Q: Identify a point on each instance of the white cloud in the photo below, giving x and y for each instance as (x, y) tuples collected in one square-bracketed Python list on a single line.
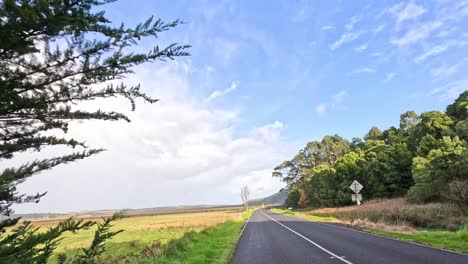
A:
[(219, 93), (444, 71), (321, 109), (433, 51), (361, 48), (327, 27), (177, 151), (377, 54), (402, 12), (379, 28), (416, 34), (268, 133), (450, 91), (340, 96), (364, 70), (390, 76), (447, 70), (346, 38), (352, 22)]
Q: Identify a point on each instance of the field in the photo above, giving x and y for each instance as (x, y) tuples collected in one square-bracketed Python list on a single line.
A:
[(165, 234)]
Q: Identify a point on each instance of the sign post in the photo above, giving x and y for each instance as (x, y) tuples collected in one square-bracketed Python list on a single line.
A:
[(356, 187)]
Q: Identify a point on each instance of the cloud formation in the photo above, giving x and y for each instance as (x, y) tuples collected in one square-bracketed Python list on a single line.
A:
[(177, 151), (346, 38), (219, 93), (321, 109)]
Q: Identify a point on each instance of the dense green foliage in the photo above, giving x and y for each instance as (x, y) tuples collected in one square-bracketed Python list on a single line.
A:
[(55, 55), (418, 159)]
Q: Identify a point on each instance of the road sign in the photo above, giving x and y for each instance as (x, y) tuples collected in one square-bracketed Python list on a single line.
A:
[(356, 187), (356, 197)]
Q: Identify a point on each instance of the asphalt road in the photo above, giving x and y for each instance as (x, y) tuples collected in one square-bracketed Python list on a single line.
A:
[(274, 238)]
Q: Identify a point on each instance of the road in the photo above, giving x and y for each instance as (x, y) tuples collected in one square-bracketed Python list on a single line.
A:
[(273, 238)]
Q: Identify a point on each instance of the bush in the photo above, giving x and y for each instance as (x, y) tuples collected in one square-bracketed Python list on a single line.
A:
[(398, 211)]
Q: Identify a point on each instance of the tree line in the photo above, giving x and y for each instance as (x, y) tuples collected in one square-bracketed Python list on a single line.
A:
[(424, 159)]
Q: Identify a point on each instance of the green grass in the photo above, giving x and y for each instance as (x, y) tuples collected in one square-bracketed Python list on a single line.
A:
[(283, 211), (457, 241), (141, 232), (306, 216), (247, 214), (212, 245), (320, 218)]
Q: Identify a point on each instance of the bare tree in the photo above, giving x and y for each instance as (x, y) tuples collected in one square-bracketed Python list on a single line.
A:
[(245, 193), (458, 192)]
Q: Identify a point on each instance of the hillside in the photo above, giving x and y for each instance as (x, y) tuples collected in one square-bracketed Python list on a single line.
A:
[(277, 198)]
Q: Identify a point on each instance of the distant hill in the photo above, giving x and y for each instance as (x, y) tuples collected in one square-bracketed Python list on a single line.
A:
[(130, 212), (277, 198)]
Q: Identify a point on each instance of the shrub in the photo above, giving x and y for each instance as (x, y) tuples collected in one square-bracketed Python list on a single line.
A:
[(397, 211)]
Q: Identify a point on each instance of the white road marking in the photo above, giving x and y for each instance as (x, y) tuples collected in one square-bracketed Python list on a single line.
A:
[(391, 238), (242, 231), (310, 241)]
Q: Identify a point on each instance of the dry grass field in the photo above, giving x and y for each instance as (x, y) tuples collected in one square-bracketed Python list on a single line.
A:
[(142, 232)]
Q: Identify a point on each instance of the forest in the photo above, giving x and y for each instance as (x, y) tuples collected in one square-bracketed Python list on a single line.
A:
[(424, 159)]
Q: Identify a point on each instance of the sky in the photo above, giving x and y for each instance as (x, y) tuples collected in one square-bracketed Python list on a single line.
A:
[(263, 79)]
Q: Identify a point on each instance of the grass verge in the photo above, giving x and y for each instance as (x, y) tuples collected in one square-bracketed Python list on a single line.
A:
[(247, 214), (306, 216), (211, 245), (457, 241)]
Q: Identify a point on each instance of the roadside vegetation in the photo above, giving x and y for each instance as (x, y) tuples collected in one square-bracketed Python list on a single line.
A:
[(247, 214), (437, 224), (398, 211), (457, 241), (162, 237), (424, 159), (414, 175)]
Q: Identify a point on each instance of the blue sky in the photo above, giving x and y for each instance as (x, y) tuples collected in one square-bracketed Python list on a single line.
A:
[(319, 67), (264, 78)]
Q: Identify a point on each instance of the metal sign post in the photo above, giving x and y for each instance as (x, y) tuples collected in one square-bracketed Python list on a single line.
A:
[(356, 187)]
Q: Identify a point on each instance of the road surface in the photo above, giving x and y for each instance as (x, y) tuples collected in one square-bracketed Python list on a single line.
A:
[(274, 238)]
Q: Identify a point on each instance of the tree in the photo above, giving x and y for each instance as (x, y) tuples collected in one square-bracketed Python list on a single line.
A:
[(419, 159), (458, 192), (390, 172), (374, 134), (303, 199), (432, 173), (55, 55), (408, 120), (459, 109), (245, 194)]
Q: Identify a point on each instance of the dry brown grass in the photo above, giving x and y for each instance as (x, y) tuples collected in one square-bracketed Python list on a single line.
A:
[(403, 228), (398, 213)]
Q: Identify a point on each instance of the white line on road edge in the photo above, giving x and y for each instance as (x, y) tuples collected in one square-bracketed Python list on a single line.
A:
[(391, 238), (242, 231), (310, 241)]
